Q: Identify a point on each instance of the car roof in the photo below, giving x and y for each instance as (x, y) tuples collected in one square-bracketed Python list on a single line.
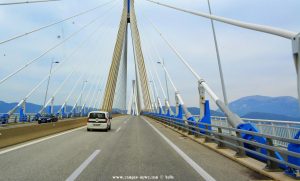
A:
[(98, 112)]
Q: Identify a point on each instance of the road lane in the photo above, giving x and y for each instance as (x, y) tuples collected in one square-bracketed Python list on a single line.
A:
[(78, 171), (138, 151), (56, 158), (32, 142), (190, 161), (218, 166), (118, 129), (131, 149)]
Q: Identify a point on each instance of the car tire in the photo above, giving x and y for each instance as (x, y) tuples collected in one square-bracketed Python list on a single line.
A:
[(88, 129)]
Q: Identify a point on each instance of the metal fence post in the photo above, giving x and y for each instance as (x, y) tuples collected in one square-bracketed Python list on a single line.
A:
[(197, 130), (240, 152), (190, 128), (208, 135), (271, 165), (289, 130), (182, 126), (220, 144), (175, 123)]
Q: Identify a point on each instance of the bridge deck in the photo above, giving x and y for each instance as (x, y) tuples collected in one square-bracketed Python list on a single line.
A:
[(131, 148)]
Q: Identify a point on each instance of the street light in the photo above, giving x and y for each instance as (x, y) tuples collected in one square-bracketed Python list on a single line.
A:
[(83, 83), (153, 93), (163, 64), (48, 82), (152, 88), (218, 56)]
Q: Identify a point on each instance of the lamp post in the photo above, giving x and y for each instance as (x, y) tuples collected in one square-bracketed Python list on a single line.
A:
[(163, 64), (48, 82), (218, 56), (152, 88), (83, 83), (154, 95)]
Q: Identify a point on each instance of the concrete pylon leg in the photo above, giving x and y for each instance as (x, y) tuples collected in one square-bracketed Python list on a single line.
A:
[(114, 68), (140, 59), (128, 16)]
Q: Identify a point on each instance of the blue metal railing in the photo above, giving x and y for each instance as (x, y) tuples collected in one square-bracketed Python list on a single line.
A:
[(249, 141)]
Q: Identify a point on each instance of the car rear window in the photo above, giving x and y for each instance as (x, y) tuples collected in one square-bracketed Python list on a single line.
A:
[(97, 115)]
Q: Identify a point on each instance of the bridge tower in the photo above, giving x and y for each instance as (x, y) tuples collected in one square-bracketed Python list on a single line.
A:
[(128, 17)]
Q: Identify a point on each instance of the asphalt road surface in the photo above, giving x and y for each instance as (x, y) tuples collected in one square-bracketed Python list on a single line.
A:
[(136, 148)]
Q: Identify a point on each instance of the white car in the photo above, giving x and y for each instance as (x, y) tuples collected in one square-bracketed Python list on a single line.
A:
[(99, 120)]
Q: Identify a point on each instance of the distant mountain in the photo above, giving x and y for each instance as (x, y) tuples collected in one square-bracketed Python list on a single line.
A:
[(256, 107), (285, 105), (5, 107), (30, 107), (269, 116), (196, 111)]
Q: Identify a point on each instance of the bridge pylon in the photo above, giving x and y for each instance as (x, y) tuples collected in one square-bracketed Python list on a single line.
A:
[(128, 17)]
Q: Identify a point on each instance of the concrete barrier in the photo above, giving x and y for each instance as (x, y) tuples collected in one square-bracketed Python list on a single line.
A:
[(12, 136)]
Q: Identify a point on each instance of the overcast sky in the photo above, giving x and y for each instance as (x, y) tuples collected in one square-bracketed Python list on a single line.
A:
[(254, 63)]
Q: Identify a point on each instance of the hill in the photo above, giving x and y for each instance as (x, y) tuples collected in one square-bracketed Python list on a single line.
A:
[(270, 106)]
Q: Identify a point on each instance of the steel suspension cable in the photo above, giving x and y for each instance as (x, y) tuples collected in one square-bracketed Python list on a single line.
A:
[(177, 94), (233, 119), (98, 95), (256, 27), (98, 88), (27, 2), (72, 91), (88, 95), (218, 56), (54, 23), (75, 51), (92, 75), (93, 99), (151, 44), (150, 58), (155, 70), (91, 87), (52, 48)]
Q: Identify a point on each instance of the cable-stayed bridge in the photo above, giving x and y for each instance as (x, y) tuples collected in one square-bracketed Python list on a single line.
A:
[(150, 140)]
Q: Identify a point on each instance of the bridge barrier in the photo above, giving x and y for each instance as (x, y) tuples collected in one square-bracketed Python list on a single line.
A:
[(30, 117), (15, 135), (276, 158), (285, 129), (25, 132)]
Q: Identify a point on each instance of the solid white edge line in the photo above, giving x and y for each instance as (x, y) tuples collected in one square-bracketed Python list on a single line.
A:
[(191, 162), (38, 140), (78, 171)]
